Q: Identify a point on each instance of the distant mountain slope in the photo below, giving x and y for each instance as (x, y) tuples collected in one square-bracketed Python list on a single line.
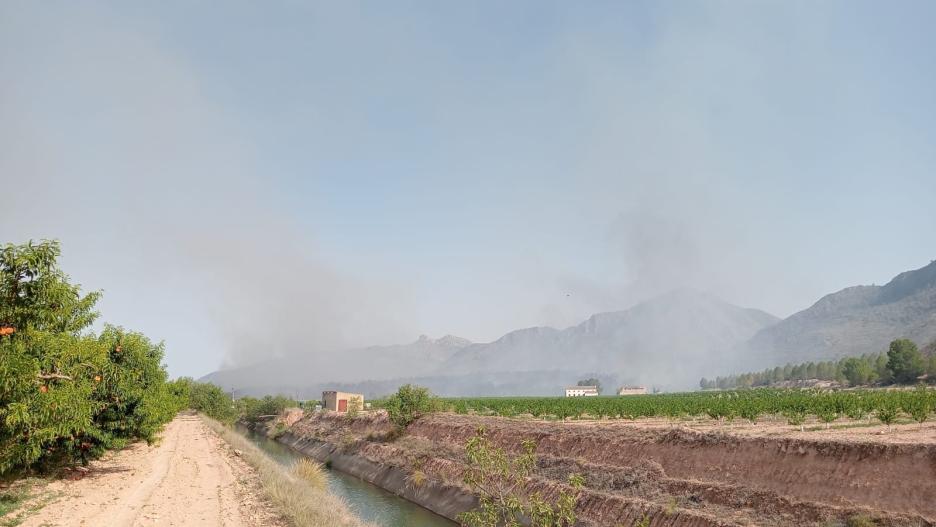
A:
[(670, 341), (853, 321), (417, 358)]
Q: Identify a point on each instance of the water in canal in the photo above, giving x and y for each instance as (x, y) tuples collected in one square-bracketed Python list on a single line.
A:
[(368, 501)]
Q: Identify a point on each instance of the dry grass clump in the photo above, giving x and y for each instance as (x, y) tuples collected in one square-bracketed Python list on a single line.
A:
[(305, 505), (417, 479), (311, 472)]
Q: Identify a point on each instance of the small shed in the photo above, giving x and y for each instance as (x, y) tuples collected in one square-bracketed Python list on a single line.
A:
[(342, 401)]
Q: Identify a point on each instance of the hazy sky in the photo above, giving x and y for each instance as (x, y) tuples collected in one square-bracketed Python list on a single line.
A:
[(251, 178)]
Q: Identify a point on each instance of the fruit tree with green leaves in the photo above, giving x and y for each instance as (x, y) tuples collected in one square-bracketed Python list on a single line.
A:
[(66, 393)]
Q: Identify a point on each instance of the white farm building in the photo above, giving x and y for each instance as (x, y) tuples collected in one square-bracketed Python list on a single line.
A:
[(632, 390), (581, 391)]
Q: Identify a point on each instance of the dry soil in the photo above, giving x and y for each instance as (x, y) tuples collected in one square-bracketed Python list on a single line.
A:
[(190, 478)]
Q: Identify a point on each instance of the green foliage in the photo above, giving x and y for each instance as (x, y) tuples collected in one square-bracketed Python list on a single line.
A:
[(829, 407), (858, 372), (858, 408), (212, 401), (67, 395), (251, 409), (904, 361), (794, 404), (887, 411), (501, 481), (751, 410), (920, 406), (795, 412), (36, 294), (408, 404), (902, 364)]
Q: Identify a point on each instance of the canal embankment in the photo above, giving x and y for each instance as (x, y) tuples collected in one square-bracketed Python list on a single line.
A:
[(673, 476), (381, 494)]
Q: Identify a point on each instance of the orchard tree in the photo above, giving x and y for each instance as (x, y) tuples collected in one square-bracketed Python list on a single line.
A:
[(216, 403), (36, 295), (904, 361), (919, 405), (133, 396), (44, 393), (67, 395), (887, 411)]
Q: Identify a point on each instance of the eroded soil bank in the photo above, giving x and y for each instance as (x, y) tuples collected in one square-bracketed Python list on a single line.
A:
[(673, 476)]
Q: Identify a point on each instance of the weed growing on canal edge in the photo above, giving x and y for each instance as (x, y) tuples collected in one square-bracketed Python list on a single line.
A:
[(310, 471)]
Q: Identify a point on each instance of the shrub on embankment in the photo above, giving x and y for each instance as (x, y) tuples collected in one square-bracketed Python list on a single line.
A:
[(408, 404), (67, 394)]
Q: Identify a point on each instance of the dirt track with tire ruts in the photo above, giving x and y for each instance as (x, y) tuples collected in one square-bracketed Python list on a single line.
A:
[(191, 477)]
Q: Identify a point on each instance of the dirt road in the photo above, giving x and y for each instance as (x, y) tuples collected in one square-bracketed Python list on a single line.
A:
[(191, 478)]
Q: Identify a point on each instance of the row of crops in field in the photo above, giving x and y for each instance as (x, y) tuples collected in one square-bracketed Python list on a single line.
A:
[(796, 406)]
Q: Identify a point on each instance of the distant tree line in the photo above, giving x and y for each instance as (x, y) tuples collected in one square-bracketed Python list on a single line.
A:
[(218, 404), (902, 364)]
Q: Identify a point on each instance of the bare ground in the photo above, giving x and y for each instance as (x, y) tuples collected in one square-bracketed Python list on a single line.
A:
[(842, 430), (190, 478)]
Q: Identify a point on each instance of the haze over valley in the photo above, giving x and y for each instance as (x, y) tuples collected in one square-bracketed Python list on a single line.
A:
[(667, 342)]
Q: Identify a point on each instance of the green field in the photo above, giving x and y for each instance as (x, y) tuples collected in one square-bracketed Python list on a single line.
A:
[(751, 405)]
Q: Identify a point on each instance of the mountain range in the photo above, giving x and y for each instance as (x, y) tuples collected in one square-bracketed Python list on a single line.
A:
[(855, 320), (669, 342), (665, 341)]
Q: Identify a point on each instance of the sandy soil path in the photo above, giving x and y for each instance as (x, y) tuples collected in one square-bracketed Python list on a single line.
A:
[(190, 478)]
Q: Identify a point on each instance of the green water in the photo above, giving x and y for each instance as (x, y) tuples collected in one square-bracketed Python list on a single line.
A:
[(368, 501)]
